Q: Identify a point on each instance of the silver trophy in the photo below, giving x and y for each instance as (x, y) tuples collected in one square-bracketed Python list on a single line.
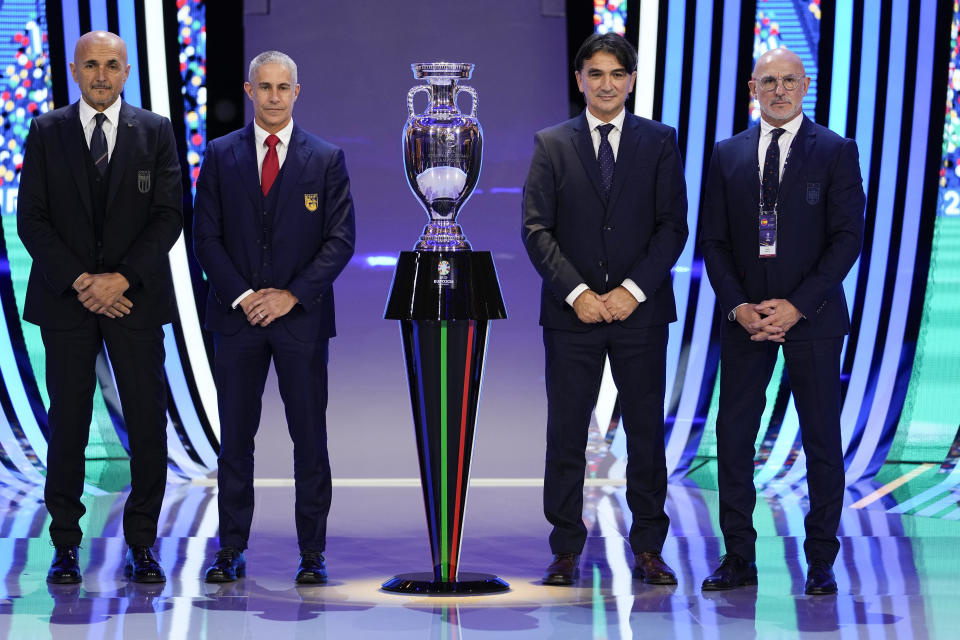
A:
[(442, 152)]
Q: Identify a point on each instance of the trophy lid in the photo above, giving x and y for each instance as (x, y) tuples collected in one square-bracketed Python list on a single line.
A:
[(442, 70)]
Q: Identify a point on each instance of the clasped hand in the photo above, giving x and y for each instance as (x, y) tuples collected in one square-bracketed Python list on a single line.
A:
[(266, 305), (102, 293), (612, 306), (768, 320)]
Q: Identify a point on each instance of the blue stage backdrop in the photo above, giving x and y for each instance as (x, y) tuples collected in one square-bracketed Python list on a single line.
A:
[(884, 74)]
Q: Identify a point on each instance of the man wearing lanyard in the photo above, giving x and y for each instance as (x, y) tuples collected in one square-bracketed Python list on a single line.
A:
[(273, 227), (604, 221), (777, 240)]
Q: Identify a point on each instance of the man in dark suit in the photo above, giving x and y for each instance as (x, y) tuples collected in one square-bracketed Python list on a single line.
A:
[(98, 210), (604, 221), (782, 225), (273, 227)]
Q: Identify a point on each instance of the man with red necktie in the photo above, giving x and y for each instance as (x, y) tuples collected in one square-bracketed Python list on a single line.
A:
[(273, 227)]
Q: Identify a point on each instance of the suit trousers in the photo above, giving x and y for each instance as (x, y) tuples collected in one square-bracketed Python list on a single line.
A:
[(137, 357), (813, 368), (574, 367), (241, 366)]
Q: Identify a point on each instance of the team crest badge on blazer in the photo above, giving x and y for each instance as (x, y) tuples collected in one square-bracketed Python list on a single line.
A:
[(143, 181), (311, 201), (813, 192)]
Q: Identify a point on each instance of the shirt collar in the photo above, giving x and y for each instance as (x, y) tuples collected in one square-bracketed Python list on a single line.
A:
[(593, 122), (87, 112), (284, 134), (791, 127)]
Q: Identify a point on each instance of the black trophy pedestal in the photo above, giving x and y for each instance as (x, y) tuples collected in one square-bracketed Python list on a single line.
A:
[(444, 301), (466, 584)]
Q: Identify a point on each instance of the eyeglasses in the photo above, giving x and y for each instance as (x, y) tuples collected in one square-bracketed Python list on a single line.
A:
[(769, 83)]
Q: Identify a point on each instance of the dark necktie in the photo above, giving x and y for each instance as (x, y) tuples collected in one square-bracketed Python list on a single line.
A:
[(271, 164), (98, 144), (770, 184), (605, 158)]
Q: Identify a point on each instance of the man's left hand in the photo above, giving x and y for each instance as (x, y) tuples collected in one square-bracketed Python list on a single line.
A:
[(620, 303), (102, 291), (272, 304), (780, 316)]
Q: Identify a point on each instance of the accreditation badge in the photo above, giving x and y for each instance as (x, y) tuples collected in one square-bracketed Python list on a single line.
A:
[(768, 234)]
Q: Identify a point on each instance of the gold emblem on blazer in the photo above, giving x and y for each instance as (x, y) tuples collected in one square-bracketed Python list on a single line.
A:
[(311, 201)]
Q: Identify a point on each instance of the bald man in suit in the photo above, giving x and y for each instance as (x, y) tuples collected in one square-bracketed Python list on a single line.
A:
[(98, 210), (782, 226)]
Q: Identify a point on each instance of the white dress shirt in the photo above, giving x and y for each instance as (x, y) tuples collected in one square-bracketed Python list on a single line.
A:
[(89, 122), (261, 135), (614, 139), (786, 139)]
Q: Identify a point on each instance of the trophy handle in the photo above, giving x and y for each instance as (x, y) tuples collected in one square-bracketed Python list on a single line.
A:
[(473, 94), (414, 91)]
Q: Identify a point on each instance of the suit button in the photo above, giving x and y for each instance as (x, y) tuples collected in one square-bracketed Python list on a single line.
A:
[(608, 228), (264, 246), (601, 263)]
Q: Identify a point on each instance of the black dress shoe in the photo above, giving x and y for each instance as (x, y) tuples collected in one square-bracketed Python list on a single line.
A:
[(229, 565), (65, 569), (312, 569), (651, 569), (142, 567), (820, 579), (564, 569), (733, 572)]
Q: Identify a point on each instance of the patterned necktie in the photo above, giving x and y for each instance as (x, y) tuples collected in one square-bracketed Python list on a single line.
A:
[(770, 185), (98, 144), (605, 158), (271, 164)]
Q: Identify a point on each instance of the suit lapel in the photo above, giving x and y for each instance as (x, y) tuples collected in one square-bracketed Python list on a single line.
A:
[(800, 150), (122, 149), (626, 152), (297, 156), (751, 167), (583, 143), (245, 153), (76, 151)]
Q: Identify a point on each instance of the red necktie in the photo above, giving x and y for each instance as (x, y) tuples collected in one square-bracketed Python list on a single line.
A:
[(271, 165)]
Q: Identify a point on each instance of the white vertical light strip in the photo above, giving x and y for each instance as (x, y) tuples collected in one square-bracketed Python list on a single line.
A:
[(182, 285), (647, 58), (909, 233)]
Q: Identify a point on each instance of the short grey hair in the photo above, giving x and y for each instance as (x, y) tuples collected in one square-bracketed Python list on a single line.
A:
[(272, 57)]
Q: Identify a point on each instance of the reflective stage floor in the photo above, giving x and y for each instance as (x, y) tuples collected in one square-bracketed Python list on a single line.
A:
[(897, 573)]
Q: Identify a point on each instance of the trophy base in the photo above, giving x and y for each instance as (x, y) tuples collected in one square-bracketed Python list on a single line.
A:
[(425, 583), (442, 237)]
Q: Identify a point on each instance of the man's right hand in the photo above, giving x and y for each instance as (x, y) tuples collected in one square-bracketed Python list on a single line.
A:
[(591, 309)]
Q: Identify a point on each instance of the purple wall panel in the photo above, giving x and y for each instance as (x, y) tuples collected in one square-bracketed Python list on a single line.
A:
[(354, 68)]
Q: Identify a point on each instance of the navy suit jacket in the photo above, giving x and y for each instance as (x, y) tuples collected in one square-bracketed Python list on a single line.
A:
[(142, 221), (819, 228), (574, 236), (313, 230)]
